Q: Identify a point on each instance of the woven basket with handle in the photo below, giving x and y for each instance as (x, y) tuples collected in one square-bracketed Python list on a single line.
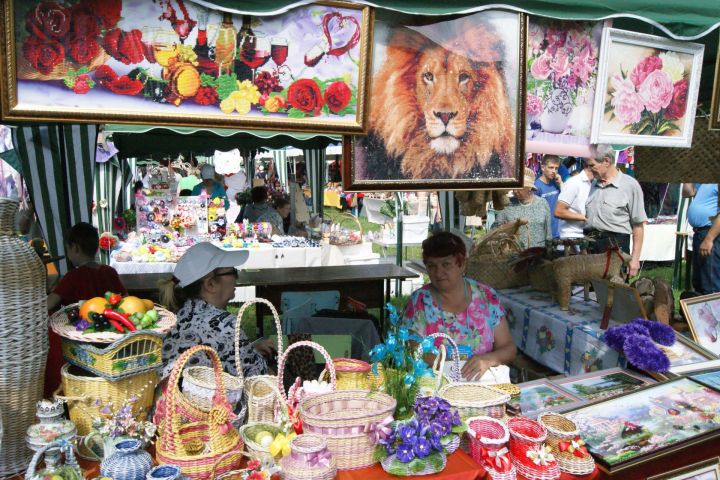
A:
[(197, 445), (351, 374), (473, 399), (341, 236), (431, 385)]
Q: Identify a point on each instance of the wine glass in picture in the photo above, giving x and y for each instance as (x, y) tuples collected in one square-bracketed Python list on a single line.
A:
[(255, 51), (278, 50)]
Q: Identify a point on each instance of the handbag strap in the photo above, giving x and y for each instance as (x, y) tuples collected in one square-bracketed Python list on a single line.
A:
[(238, 329), (170, 439), (329, 365)]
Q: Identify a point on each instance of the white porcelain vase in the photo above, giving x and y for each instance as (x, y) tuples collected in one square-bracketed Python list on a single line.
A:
[(557, 111)]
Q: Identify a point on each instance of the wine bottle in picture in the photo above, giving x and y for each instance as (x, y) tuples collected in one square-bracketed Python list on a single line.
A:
[(225, 45), (246, 47), (201, 47)]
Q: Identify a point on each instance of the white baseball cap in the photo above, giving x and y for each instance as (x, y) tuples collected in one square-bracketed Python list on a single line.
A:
[(202, 258), (207, 172)]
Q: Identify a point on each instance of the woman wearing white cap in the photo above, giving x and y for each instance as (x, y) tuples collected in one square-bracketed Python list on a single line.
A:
[(211, 187), (204, 282)]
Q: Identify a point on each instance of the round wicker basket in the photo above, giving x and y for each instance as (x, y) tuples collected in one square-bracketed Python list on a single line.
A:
[(23, 339), (342, 239), (25, 70), (473, 399), (563, 436)]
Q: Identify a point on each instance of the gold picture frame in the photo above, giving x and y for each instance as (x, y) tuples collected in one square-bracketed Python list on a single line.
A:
[(703, 316), (303, 70), (692, 472), (715, 103), (686, 356)]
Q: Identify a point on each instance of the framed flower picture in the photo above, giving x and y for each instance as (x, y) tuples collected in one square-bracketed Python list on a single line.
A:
[(703, 316), (447, 108), (686, 356), (705, 470), (648, 423), (603, 384), (541, 396), (647, 90), (180, 63)]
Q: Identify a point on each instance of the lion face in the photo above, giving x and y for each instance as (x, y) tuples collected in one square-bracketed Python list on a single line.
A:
[(444, 90)]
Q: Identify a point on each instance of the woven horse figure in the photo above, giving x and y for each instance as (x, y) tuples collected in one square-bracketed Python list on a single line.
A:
[(584, 268)]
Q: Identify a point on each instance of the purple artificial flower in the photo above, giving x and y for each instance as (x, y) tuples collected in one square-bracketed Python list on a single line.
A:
[(443, 404), (615, 336), (422, 448), (446, 419), (405, 452), (437, 428), (82, 325), (642, 352), (388, 440), (426, 406), (390, 448), (406, 432), (456, 420), (435, 442), (659, 332)]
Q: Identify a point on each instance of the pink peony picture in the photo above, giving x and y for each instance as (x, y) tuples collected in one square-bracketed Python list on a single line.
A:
[(650, 90)]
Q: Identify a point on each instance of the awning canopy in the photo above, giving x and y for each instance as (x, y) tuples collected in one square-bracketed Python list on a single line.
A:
[(686, 20), (142, 140)]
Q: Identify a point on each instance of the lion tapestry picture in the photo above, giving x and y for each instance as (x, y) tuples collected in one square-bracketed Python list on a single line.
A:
[(445, 109)]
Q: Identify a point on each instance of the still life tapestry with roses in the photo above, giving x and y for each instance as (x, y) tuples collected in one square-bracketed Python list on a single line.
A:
[(167, 60), (649, 90), (562, 67)]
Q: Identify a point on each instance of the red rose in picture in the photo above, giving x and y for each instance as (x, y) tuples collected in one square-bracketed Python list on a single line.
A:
[(48, 19), (304, 94), (337, 96), (124, 86), (82, 49), (43, 54), (83, 22), (678, 104), (106, 11), (105, 75), (126, 47)]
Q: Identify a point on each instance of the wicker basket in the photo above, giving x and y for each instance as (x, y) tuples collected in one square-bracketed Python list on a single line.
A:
[(190, 438), (496, 271), (23, 339), (428, 386), (25, 70), (351, 374), (527, 435), (309, 459), (488, 446), (259, 390), (342, 236), (296, 395), (86, 394), (249, 432), (198, 386), (350, 420), (134, 353), (569, 450), (473, 399)]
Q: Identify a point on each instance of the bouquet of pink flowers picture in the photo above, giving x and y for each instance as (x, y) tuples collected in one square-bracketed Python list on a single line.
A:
[(650, 97)]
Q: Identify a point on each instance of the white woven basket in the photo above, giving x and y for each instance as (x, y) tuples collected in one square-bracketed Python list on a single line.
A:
[(23, 339)]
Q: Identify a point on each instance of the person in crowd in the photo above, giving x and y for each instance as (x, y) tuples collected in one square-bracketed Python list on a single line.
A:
[(260, 210), (570, 207), (468, 311), (615, 209), (87, 279), (282, 207), (703, 217), (548, 186), (203, 284), (526, 205), (210, 186)]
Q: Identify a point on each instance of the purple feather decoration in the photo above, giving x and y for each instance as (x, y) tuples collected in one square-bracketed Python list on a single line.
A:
[(642, 352), (615, 336), (659, 332)]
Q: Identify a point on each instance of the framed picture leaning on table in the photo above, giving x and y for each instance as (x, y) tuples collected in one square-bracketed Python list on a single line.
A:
[(703, 317), (184, 64), (448, 104), (649, 423), (647, 90), (603, 384), (705, 470), (686, 356), (541, 396)]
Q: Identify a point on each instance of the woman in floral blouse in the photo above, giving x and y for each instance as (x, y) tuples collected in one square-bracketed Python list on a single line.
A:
[(204, 282), (466, 310)]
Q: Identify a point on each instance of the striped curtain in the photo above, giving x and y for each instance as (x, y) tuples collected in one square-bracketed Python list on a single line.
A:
[(58, 163), (249, 156), (127, 167), (280, 160), (108, 184), (450, 213), (316, 171)]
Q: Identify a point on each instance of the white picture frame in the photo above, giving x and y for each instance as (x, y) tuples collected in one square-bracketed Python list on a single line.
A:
[(634, 105)]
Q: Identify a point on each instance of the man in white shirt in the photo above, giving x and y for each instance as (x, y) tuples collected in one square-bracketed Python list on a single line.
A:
[(570, 207)]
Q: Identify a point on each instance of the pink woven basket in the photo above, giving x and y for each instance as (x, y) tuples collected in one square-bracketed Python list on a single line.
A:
[(352, 421), (527, 439), (309, 459), (488, 439)]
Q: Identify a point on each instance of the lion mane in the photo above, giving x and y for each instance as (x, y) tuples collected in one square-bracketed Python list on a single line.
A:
[(441, 110)]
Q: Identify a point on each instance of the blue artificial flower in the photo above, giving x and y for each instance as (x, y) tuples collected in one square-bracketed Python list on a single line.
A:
[(399, 358), (405, 452), (435, 442), (414, 337), (406, 432), (427, 344), (392, 313), (403, 334), (377, 353), (375, 369), (422, 448), (391, 341), (409, 379), (437, 428)]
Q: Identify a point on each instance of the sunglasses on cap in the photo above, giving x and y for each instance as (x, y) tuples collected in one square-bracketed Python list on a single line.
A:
[(232, 272)]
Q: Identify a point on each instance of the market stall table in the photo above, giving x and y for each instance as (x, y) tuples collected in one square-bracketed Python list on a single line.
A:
[(565, 341), (363, 283)]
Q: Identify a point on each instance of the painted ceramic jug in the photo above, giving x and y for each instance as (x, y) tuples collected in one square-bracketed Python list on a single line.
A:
[(129, 462)]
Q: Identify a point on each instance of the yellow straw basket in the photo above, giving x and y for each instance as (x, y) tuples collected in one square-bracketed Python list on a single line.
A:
[(473, 399), (86, 393), (351, 374), (135, 353), (567, 447)]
